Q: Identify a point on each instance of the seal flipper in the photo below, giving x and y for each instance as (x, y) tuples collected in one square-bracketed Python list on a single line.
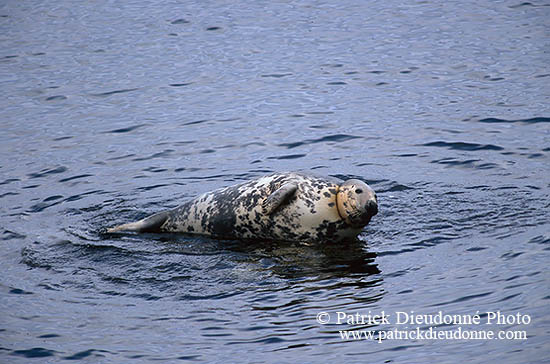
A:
[(151, 224), (279, 198)]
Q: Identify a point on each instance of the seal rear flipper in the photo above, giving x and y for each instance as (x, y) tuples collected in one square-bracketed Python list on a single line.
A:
[(278, 198), (151, 224)]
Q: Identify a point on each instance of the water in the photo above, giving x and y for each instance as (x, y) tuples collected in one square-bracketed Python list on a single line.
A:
[(115, 110)]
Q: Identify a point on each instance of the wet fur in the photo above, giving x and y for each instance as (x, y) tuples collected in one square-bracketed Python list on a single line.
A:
[(236, 212)]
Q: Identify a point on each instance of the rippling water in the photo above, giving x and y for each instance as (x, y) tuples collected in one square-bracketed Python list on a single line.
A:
[(115, 110)]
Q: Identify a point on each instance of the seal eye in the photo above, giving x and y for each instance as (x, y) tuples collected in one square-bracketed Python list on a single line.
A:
[(358, 191)]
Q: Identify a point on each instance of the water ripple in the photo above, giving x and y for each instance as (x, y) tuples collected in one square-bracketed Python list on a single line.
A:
[(463, 146), (461, 299), (180, 21), (337, 138), (288, 156), (125, 130), (75, 177), (34, 353), (47, 172), (86, 353), (110, 93), (524, 121)]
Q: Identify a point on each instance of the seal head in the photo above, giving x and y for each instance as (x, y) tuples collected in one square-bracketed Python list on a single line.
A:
[(357, 202)]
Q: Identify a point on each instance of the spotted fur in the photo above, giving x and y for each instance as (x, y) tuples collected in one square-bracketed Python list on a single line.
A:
[(238, 212)]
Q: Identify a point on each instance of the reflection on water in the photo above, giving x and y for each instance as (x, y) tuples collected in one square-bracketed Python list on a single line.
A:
[(112, 112), (166, 261)]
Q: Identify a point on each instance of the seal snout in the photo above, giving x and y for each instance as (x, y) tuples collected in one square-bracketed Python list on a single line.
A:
[(371, 208)]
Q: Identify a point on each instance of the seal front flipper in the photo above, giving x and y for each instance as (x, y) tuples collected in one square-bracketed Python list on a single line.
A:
[(278, 198), (151, 224)]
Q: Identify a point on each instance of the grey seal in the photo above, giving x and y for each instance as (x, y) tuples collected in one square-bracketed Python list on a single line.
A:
[(280, 207)]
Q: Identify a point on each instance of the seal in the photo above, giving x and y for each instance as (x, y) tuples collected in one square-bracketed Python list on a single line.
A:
[(280, 207)]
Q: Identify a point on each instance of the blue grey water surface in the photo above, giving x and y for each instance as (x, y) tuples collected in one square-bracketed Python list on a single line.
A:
[(112, 110)]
